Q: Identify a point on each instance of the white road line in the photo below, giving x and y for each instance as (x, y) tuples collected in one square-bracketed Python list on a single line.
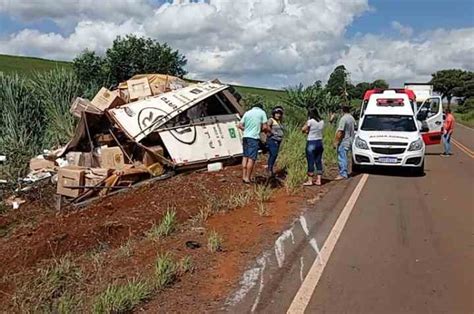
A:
[(303, 296)]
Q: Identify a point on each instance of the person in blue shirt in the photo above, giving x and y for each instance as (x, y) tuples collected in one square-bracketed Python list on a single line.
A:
[(252, 123)]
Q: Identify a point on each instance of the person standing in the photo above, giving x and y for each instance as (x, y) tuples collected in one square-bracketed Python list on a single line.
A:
[(448, 129), (343, 141), (314, 147), (252, 123), (274, 138)]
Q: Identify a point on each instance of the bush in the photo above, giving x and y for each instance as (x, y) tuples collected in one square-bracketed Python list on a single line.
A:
[(34, 114), (55, 91), (21, 121)]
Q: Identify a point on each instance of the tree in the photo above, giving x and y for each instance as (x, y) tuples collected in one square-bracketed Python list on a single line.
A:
[(312, 97), (360, 89), (379, 84), (448, 82), (338, 82), (90, 68), (128, 56)]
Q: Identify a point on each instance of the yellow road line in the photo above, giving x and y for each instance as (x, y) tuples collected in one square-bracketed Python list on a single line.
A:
[(463, 148)]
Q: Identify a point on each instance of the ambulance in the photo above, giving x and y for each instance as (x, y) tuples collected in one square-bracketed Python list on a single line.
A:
[(393, 130)]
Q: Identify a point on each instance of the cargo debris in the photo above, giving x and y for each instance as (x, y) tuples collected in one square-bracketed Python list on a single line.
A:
[(148, 126)]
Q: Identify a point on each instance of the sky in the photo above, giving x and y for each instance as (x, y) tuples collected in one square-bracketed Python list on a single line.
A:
[(267, 43)]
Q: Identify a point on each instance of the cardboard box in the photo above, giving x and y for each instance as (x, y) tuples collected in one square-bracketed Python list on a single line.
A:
[(75, 159), (106, 99), (112, 158), (138, 88), (90, 160), (149, 158), (81, 159), (80, 104), (38, 163), (68, 177), (94, 176)]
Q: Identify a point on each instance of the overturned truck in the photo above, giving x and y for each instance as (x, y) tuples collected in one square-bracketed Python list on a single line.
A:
[(120, 142)]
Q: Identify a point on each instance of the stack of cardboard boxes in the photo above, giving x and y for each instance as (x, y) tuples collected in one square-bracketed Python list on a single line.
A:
[(88, 170)]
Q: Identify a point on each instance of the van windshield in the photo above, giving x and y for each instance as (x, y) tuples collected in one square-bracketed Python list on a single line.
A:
[(395, 123)]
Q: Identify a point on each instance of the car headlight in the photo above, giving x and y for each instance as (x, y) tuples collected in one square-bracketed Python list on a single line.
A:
[(416, 145), (360, 143)]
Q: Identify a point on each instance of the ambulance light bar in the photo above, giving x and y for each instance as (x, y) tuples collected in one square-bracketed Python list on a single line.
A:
[(390, 102)]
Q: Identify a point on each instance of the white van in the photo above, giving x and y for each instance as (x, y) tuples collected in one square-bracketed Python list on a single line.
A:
[(388, 133)]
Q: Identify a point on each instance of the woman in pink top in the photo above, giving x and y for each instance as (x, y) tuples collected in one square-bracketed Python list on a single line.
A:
[(448, 128)]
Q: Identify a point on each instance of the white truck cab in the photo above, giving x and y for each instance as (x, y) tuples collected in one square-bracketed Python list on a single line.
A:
[(388, 133)]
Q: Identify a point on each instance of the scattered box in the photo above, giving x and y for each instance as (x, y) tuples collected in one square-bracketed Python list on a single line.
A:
[(106, 99), (149, 157), (39, 163), (112, 158), (83, 105), (75, 159), (217, 166), (138, 88), (94, 176), (68, 178)]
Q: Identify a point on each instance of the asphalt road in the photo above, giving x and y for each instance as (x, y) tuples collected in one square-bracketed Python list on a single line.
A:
[(408, 246)]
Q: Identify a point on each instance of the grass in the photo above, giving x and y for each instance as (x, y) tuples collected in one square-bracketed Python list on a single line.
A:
[(118, 298), (263, 192), (239, 199), (465, 118), (53, 289), (29, 65), (271, 95), (186, 265), (126, 250), (292, 154), (214, 242), (262, 209), (200, 218), (167, 225), (166, 271)]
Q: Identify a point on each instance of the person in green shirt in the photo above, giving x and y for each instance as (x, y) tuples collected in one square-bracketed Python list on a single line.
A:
[(252, 123)]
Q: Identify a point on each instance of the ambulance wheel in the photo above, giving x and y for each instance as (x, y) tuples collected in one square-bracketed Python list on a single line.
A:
[(419, 171), (356, 168)]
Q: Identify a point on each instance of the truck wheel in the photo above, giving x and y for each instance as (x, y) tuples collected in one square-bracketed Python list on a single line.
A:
[(419, 171)]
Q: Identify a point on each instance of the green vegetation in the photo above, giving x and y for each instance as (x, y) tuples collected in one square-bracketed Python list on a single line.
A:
[(166, 270), (465, 118), (214, 242), (271, 95), (128, 56), (122, 298), (263, 192), (53, 290), (166, 226), (28, 65)]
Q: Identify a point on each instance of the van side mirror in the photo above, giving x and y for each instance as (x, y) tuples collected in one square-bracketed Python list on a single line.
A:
[(424, 129)]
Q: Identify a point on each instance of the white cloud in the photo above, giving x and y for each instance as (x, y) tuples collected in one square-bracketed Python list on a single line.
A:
[(91, 35), (66, 12), (265, 42), (402, 29), (371, 56)]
